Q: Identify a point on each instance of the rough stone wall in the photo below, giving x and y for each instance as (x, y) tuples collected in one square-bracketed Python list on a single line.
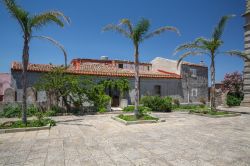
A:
[(246, 87), (169, 87), (200, 82)]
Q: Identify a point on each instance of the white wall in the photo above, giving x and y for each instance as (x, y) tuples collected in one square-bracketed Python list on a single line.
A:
[(165, 64)]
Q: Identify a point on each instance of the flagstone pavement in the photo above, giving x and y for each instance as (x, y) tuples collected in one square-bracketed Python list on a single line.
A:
[(183, 139)]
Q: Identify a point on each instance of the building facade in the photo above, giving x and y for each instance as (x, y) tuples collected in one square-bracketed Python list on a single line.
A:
[(189, 83), (246, 88)]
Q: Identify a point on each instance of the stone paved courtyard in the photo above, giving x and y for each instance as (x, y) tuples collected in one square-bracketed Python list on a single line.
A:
[(98, 140)]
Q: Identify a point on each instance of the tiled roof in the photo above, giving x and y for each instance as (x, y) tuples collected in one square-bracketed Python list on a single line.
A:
[(98, 69), (106, 61)]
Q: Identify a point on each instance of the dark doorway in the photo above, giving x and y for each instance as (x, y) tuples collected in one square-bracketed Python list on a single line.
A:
[(115, 101)]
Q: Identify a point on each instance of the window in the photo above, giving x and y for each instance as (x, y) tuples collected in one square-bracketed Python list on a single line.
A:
[(193, 72), (148, 68), (120, 66), (157, 90), (194, 92)]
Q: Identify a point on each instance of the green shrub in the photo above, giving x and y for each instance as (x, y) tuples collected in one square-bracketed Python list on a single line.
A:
[(32, 110), (166, 106), (134, 118), (11, 111), (53, 111), (129, 108), (30, 123), (233, 100), (142, 109), (102, 110), (156, 103)]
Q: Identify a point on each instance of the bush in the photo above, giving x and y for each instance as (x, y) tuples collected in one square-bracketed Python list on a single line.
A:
[(53, 111), (30, 123), (142, 109), (233, 101), (11, 111), (32, 110), (156, 103), (102, 110)]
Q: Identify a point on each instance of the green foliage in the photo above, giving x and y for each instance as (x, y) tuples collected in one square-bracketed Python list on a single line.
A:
[(116, 84), (11, 111), (134, 118), (233, 100), (102, 110), (39, 115), (142, 109), (30, 123), (157, 103), (32, 110), (209, 112)]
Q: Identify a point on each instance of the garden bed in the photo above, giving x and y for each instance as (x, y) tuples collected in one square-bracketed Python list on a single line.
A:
[(131, 119), (32, 125), (214, 114)]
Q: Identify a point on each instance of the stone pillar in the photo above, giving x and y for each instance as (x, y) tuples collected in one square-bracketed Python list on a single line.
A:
[(246, 88)]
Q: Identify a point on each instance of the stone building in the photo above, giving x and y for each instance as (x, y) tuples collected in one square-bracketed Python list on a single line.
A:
[(161, 77), (246, 88)]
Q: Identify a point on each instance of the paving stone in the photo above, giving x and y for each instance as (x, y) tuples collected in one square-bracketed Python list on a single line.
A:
[(98, 140)]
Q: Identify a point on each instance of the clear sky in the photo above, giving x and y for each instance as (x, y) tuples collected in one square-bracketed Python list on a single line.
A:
[(83, 38)]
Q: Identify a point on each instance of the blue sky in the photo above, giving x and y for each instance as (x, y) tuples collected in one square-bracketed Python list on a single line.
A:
[(83, 38)]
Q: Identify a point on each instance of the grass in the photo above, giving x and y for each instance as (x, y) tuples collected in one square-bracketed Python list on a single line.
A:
[(134, 118), (30, 123)]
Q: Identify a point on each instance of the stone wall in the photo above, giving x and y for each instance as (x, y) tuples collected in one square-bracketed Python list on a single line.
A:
[(175, 88), (199, 82)]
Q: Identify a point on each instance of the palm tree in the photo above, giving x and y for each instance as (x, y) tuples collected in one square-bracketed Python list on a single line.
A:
[(28, 24), (137, 34), (211, 48)]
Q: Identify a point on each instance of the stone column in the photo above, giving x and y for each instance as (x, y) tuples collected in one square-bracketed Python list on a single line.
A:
[(246, 88)]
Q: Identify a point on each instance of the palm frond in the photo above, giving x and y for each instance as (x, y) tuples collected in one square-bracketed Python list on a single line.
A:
[(57, 44), (161, 30), (186, 46), (193, 53), (140, 30), (220, 27), (116, 28), (47, 17), (128, 24), (238, 54), (18, 13)]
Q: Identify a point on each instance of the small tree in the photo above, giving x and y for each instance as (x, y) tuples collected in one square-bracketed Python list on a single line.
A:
[(233, 82)]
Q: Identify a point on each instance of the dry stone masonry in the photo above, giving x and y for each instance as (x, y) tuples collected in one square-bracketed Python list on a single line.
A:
[(246, 101)]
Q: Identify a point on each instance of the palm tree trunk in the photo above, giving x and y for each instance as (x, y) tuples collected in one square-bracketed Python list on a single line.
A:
[(25, 61), (212, 98), (137, 90)]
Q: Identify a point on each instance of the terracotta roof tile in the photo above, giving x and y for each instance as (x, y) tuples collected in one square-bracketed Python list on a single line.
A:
[(98, 69)]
